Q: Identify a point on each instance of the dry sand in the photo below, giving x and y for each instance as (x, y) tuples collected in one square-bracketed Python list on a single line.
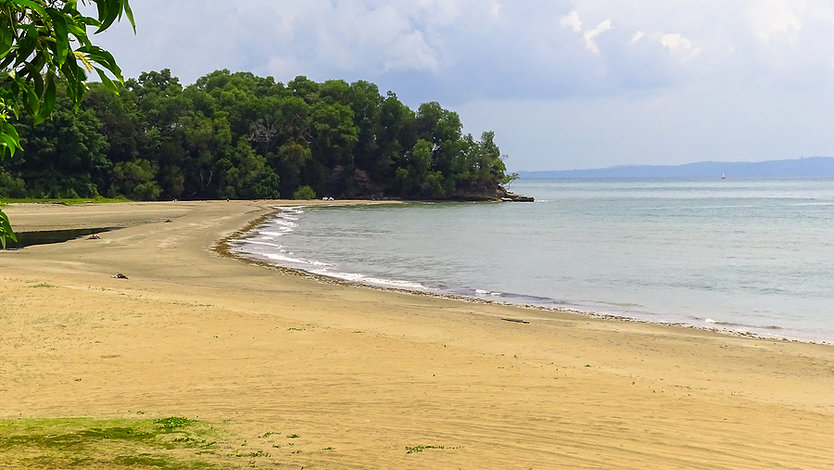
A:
[(368, 372)]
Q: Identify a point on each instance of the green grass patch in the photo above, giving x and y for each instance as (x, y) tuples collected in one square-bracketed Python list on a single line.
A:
[(173, 443), (416, 449), (68, 201), (44, 285)]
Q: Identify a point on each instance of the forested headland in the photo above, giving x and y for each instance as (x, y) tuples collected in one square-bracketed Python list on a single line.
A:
[(237, 135)]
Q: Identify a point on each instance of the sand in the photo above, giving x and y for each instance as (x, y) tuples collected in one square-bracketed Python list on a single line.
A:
[(365, 373)]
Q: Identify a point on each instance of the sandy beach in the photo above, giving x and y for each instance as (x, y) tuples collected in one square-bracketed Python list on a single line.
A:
[(366, 373)]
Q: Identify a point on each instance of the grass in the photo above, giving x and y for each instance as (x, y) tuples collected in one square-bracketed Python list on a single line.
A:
[(43, 284), (59, 200), (173, 443), (416, 449)]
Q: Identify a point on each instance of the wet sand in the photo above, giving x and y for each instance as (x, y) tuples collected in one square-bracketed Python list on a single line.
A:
[(365, 373)]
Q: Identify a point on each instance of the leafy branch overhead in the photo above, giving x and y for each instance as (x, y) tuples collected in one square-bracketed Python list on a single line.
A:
[(42, 41)]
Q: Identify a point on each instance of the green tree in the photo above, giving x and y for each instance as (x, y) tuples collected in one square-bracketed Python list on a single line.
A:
[(40, 42), (136, 179), (65, 156), (246, 175)]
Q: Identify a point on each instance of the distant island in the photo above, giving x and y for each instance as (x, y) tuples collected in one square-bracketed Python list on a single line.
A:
[(809, 167)]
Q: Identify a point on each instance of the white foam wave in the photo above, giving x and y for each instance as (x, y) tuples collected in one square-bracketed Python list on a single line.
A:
[(374, 281), (257, 242), (269, 233), (486, 292), (280, 257)]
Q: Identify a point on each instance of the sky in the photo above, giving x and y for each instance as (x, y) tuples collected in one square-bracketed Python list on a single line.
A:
[(564, 84)]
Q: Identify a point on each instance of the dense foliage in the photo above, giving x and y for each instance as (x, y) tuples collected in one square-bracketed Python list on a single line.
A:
[(237, 135), (41, 42)]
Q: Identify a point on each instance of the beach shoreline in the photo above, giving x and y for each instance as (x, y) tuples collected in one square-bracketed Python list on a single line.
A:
[(367, 371), (224, 247)]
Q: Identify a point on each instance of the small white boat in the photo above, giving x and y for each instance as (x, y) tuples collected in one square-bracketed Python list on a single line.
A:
[(723, 177)]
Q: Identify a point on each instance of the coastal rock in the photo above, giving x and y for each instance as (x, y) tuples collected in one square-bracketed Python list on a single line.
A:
[(489, 193), (512, 197)]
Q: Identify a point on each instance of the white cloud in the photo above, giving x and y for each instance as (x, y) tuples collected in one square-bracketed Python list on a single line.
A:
[(772, 19), (456, 51), (412, 53), (590, 36), (680, 46), (572, 21)]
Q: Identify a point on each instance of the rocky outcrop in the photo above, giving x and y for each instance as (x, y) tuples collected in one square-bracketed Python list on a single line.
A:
[(512, 197), (489, 193)]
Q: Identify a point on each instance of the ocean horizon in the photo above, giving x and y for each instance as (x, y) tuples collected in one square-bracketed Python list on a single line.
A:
[(742, 255)]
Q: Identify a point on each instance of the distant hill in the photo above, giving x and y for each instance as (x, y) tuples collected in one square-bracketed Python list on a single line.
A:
[(819, 167)]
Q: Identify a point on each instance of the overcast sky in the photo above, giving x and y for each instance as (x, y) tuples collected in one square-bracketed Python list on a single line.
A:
[(564, 84)]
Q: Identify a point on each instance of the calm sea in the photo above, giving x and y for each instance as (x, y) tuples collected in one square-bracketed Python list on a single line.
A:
[(751, 255)]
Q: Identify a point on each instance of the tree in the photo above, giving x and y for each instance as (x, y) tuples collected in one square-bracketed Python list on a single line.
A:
[(65, 156), (42, 41)]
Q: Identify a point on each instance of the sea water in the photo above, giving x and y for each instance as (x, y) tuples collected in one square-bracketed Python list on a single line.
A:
[(743, 255)]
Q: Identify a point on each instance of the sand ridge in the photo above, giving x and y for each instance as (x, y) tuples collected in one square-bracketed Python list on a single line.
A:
[(366, 373)]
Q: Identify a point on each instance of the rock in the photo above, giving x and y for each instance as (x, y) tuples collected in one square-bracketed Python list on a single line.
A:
[(512, 197)]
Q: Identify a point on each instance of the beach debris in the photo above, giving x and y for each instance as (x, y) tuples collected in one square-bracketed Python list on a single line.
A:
[(516, 320), (94, 237), (119, 276), (168, 221)]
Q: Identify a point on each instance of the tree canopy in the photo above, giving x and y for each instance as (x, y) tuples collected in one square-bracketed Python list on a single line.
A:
[(42, 43), (238, 135)]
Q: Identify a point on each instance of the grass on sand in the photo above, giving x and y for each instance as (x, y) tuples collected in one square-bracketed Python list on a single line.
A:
[(66, 201), (172, 443)]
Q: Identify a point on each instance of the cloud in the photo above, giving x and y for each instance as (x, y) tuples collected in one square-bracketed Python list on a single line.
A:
[(572, 21), (598, 78), (410, 52), (775, 19), (591, 35), (680, 46)]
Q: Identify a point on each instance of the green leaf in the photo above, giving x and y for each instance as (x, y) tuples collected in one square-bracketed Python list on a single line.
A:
[(36, 77), (129, 15), (48, 100), (6, 229), (31, 102), (6, 40), (7, 142), (103, 58), (105, 80), (26, 44), (30, 4), (108, 12), (59, 23)]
